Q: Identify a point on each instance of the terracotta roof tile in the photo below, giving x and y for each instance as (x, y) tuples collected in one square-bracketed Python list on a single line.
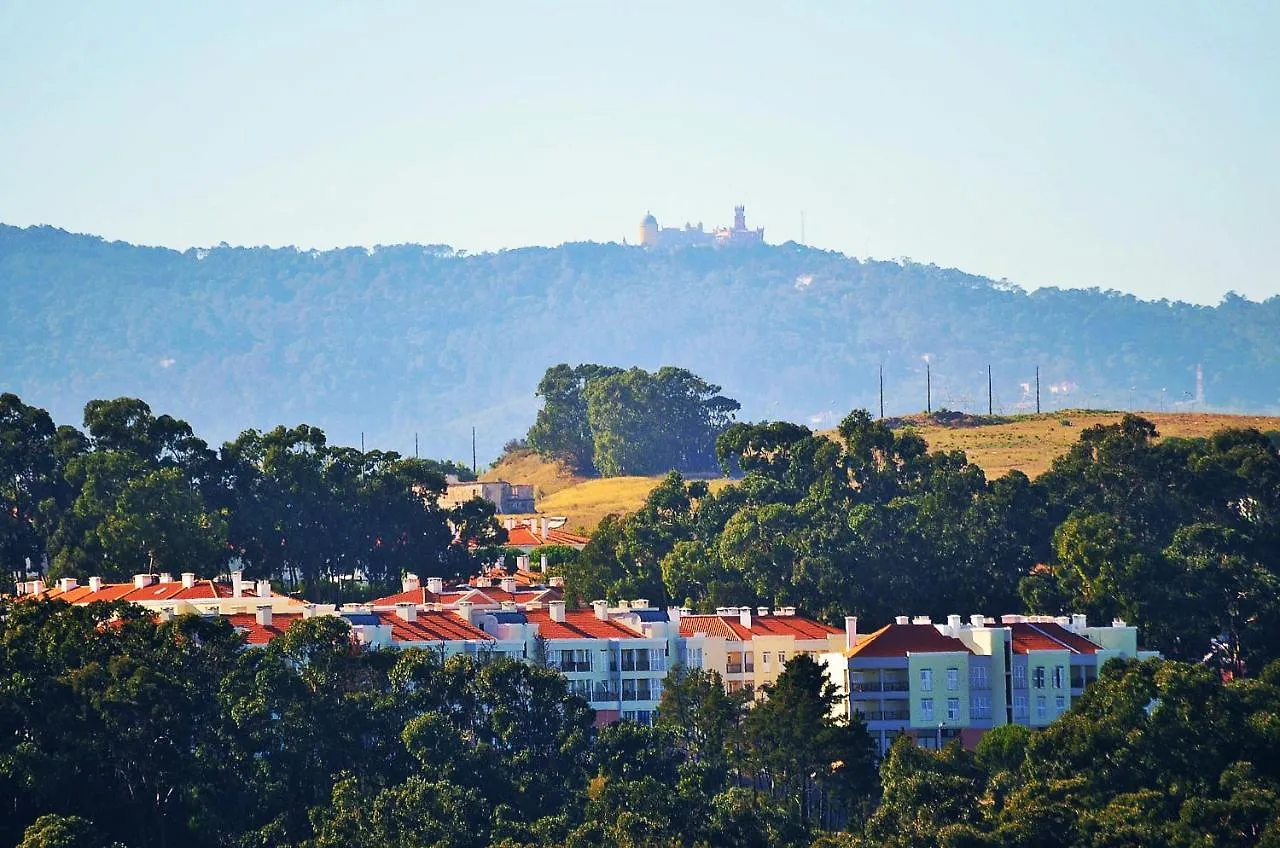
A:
[(255, 633), (580, 624), (431, 627), (898, 640), (1048, 636), (718, 626), (790, 625)]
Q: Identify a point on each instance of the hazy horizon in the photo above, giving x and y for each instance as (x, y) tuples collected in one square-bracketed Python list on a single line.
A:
[(1127, 148)]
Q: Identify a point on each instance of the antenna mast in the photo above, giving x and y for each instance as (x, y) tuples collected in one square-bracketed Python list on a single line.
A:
[(990, 408), (882, 390), (928, 390), (1037, 390), (473, 450)]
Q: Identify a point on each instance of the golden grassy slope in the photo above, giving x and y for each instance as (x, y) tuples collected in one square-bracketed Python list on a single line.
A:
[(1029, 444)]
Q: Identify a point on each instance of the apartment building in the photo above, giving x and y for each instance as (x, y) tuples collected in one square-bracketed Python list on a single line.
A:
[(957, 680), (750, 647), (160, 591)]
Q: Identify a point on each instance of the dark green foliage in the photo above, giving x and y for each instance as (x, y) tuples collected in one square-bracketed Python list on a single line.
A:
[(611, 422)]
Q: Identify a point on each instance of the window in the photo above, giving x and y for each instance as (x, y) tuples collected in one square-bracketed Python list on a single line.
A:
[(657, 659), (1020, 707), (926, 680), (1019, 677), (978, 677), (953, 709), (1037, 677), (628, 689), (782, 658), (691, 657), (581, 688), (1059, 677), (979, 707), (1061, 703), (926, 709), (1042, 707), (953, 679), (628, 659), (764, 660)]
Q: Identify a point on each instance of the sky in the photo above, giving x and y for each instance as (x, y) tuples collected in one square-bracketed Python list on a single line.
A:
[(1129, 146)]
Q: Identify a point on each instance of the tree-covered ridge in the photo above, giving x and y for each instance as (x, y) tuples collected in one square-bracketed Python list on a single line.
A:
[(1180, 536), (410, 338), (611, 422)]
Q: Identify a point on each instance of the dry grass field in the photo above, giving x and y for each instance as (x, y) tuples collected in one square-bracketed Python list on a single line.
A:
[(1028, 444)]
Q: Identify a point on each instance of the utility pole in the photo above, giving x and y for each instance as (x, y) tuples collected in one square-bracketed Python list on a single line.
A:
[(990, 407), (473, 450), (415, 444), (928, 390), (1037, 390), (881, 390)]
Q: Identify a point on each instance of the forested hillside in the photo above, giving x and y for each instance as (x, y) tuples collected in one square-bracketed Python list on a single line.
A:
[(403, 339)]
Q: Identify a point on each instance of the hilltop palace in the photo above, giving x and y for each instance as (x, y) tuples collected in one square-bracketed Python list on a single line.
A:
[(694, 236)]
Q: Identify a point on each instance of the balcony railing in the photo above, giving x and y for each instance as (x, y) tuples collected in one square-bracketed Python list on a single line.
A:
[(980, 685), (865, 686), (734, 668), (572, 666), (896, 686), (979, 712), (601, 693), (886, 715)]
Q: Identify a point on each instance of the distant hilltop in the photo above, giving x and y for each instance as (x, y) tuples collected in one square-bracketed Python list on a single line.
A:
[(693, 235)]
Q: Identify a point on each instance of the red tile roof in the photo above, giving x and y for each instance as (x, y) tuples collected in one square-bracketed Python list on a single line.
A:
[(718, 626), (156, 592), (487, 595), (731, 626), (255, 633), (1048, 636), (522, 536), (412, 596), (898, 640), (580, 624), (431, 627)]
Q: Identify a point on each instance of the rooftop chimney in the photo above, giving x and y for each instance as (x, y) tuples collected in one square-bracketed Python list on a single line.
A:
[(407, 611), (95, 584), (509, 585), (263, 589), (744, 616), (264, 615), (37, 587), (464, 611), (308, 610), (953, 625), (1010, 618), (850, 631), (557, 610), (141, 581), (66, 584), (544, 563), (601, 609), (237, 584), (901, 619), (978, 620), (522, 562), (435, 585), (483, 582), (188, 579), (542, 526), (1078, 623), (166, 613), (166, 577), (640, 603), (509, 606), (409, 582)]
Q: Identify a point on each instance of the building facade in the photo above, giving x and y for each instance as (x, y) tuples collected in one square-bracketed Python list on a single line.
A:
[(693, 235)]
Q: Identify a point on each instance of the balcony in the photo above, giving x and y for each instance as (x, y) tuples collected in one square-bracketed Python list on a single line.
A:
[(604, 694), (571, 666), (896, 686), (865, 686), (979, 712), (733, 668), (980, 685)]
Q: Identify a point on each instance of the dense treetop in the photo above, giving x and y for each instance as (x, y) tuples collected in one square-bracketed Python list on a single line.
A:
[(411, 338)]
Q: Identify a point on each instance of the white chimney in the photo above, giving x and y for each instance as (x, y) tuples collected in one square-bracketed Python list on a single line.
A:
[(762, 611), (409, 583), (435, 585), (901, 619), (640, 603), (66, 584), (37, 587), (188, 579), (978, 620), (508, 523), (464, 611), (544, 563), (522, 562), (1079, 622), (542, 526), (141, 581), (922, 619), (237, 584), (1010, 618), (308, 610), (264, 615), (166, 577), (95, 584), (483, 582), (850, 631), (601, 609), (263, 589), (407, 611), (557, 610), (953, 625), (509, 585), (744, 616), (166, 613)]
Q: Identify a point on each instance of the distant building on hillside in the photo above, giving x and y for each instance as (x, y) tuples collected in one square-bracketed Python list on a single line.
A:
[(508, 498), (691, 235)]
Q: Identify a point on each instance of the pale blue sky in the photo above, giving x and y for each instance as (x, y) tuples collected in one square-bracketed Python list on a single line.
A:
[(1122, 145)]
